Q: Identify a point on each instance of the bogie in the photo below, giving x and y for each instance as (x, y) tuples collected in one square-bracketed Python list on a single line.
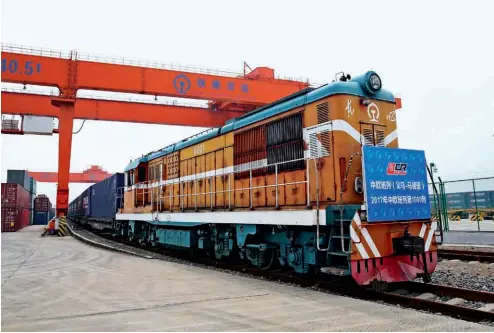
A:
[(261, 246)]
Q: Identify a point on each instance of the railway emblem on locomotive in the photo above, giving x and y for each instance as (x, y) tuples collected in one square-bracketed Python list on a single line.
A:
[(181, 84), (373, 112)]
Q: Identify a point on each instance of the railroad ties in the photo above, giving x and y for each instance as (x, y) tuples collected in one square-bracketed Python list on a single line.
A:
[(466, 255), (457, 302)]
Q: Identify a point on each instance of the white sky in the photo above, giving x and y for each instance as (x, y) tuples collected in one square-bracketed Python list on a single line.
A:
[(437, 55)]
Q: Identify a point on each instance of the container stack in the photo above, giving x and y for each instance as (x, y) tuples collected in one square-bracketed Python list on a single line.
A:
[(42, 210), (483, 199), (10, 124), (467, 200), (51, 214), (456, 201), (15, 207), (22, 178)]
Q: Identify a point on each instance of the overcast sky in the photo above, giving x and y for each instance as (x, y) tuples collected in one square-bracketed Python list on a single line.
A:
[(438, 56)]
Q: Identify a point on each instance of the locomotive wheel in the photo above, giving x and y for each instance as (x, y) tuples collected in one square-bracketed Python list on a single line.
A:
[(270, 255)]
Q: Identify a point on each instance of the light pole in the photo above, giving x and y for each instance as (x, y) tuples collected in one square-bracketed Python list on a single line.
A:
[(433, 168)]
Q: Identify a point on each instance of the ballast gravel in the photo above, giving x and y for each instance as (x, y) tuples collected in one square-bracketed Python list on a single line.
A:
[(463, 274)]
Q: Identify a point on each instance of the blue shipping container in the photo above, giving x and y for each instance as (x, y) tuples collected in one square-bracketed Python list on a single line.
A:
[(105, 200), (41, 218), (33, 185), (20, 177), (83, 204), (31, 200)]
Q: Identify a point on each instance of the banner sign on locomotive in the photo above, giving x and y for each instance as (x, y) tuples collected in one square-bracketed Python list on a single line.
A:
[(395, 184)]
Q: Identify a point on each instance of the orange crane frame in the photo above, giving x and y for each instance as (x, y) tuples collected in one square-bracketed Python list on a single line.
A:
[(17, 103), (70, 72), (92, 175)]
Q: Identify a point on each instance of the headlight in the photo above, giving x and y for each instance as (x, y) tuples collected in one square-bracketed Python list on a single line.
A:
[(375, 82)]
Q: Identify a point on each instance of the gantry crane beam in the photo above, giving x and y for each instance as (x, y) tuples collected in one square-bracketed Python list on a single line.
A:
[(93, 175), (72, 74), (72, 71), (74, 177), (99, 109)]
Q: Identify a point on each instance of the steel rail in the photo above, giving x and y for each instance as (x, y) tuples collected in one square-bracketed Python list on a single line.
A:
[(469, 255)]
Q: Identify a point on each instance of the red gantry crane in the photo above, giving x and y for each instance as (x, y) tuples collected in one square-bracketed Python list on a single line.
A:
[(229, 94), (92, 175)]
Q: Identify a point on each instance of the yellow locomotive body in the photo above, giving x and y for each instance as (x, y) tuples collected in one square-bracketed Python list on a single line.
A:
[(290, 170)]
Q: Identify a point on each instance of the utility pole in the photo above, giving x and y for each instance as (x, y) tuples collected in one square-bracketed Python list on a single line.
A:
[(433, 168)]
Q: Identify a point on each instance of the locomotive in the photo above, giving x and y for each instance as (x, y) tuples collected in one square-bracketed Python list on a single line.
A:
[(314, 182)]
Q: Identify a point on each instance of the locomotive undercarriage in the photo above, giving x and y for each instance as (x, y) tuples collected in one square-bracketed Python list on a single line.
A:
[(262, 246), (294, 248)]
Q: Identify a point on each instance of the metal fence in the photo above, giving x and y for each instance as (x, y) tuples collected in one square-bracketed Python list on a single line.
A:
[(464, 204)]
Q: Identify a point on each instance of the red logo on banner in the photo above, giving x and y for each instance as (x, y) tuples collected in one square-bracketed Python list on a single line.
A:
[(397, 169)]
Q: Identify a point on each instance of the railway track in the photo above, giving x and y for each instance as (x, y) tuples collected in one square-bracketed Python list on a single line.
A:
[(466, 255), (459, 303)]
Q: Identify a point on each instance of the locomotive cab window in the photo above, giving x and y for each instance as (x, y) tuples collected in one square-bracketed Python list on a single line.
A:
[(129, 178), (141, 174)]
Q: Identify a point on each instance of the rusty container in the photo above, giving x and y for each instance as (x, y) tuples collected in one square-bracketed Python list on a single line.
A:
[(42, 203), (14, 195), (14, 218)]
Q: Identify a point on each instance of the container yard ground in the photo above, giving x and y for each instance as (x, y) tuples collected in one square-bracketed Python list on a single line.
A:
[(467, 225), (51, 284), (469, 238), (465, 232)]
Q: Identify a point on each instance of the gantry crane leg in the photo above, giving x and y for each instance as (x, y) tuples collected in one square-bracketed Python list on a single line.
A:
[(66, 124)]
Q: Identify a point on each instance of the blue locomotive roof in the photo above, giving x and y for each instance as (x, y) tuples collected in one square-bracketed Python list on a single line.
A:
[(192, 141), (355, 87), (135, 163), (165, 151)]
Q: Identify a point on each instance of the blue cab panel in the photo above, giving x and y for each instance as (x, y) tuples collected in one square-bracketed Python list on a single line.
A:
[(395, 184), (104, 199)]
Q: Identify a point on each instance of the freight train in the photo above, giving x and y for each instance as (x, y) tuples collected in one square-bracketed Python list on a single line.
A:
[(314, 182)]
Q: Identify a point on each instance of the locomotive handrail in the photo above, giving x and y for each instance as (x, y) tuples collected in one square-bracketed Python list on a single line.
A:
[(147, 186), (230, 190)]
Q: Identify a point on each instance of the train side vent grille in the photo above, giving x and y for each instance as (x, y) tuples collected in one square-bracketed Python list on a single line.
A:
[(323, 113), (380, 138), (320, 144), (368, 137)]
